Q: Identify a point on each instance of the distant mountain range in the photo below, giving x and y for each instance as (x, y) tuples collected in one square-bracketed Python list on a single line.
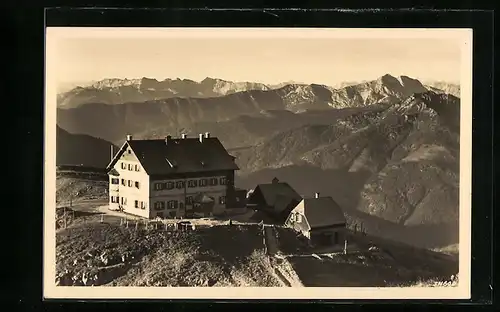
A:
[(118, 91), (387, 150), (172, 115), (444, 87)]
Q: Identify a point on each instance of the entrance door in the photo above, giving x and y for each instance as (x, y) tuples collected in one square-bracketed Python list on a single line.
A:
[(336, 238)]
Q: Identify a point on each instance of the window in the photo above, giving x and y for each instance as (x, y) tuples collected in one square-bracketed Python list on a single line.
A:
[(192, 183), (124, 166), (222, 200), (179, 184), (130, 167), (123, 182), (136, 184), (136, 203), (115, 181), (136, 167), (222, 181), (159, 186), (172, 204), (143, 205), (298, 217), (115, 199), (130, 183), (189, 200), (169, 185), (181, 205), (213, 181), (203, 182), (124, 200), (159, 205)]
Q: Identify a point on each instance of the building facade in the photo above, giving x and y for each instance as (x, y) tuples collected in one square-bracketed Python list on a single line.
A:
[(320, 219), (169, 178)]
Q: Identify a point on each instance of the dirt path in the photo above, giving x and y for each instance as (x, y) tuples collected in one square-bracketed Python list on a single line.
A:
[(282, 268), (271, 242)]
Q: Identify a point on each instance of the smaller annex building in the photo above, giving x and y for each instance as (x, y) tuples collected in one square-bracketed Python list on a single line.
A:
[(320, 219), (275, 199)]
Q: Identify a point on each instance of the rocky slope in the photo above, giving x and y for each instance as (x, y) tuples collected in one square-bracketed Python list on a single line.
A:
[(79, 149)]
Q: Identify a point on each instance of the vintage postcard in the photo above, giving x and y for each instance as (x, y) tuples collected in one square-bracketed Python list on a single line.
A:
[(257, 163)]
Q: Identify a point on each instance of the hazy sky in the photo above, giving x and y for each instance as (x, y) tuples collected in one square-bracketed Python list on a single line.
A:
[(269, 60)]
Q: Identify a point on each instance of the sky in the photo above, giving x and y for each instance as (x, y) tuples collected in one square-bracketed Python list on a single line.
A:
[(270, 60)]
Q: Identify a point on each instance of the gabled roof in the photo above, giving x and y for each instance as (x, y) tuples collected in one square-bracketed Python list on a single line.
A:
[(114, 172), (323, 211), (158, 157), (277, 194)]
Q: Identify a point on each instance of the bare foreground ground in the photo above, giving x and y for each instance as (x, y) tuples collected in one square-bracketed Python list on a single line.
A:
[(97, 247)]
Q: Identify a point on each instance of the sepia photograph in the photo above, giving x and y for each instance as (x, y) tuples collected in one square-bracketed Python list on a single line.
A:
[(257, 163)]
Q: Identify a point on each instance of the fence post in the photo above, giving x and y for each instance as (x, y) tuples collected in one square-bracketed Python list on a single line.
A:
[(102, 218), (345, 247), (64, 216), (126, 224), (136, 225)]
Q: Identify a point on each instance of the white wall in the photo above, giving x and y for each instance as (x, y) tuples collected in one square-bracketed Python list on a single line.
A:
[(132, 193), (214, 191)]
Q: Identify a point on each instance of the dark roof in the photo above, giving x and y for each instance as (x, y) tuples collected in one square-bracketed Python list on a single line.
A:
[(323, 211), (278, 194), (114, 172), (182, 155)]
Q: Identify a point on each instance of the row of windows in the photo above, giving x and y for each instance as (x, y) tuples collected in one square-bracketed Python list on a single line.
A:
[(130, 167), (190, 183), (128, 183), (174, 204), (296, 217), (123, 201)]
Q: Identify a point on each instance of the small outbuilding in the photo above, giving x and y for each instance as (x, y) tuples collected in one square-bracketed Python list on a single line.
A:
[(320, 219), (275, 199)]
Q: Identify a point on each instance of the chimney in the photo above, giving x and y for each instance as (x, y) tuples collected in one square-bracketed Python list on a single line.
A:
[(183, 136), (168, 138), (201, 137), (207, 135), (129, 137), (112, 152), (316, 195)]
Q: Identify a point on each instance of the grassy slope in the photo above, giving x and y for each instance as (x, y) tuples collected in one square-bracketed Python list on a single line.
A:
[(216, 256), (78, 185), (392, 264)]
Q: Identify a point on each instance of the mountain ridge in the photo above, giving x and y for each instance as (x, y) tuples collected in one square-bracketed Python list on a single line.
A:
[(119, 91), (175, 113)]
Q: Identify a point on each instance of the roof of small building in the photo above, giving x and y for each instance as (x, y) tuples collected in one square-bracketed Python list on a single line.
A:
[(278, 194), (177, 155), (114, 172), (323, 211)]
